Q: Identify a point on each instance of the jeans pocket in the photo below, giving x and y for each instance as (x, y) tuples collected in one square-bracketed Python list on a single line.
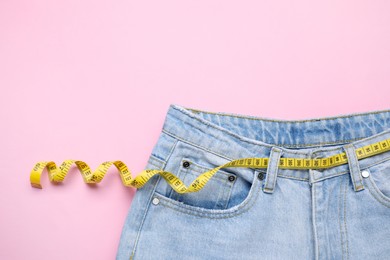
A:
[(229, 191), (214, 195), (378, 181)]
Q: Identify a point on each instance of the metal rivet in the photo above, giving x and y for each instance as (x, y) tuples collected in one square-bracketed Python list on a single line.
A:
[(155, 201), (365, 174), (260, 176), (186, 164), (232, 178)]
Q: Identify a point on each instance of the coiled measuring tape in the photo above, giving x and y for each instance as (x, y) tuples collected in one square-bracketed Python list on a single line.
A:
[(58, 174)]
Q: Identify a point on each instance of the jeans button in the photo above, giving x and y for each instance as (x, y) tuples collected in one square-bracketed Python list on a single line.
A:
[(232, 178), (365, 174), (155, 201), (186, 164), (260, 176)]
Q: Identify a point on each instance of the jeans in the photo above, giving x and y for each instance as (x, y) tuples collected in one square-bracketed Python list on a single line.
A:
[(341, 212)]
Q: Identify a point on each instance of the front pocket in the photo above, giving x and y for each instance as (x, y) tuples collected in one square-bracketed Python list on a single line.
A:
[(229, 192), (214, 195), (242, 199), (378, 181)]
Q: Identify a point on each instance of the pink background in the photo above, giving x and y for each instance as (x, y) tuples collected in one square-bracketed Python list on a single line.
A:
[(92, 81)]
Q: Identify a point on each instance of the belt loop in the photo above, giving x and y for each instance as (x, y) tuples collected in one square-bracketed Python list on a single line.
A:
[(354, 167), (272, 170)]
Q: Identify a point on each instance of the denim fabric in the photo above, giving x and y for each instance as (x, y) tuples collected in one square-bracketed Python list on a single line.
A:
[(271, 213)]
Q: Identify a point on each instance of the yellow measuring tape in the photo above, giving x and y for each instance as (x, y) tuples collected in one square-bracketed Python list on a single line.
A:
[(58, 174)]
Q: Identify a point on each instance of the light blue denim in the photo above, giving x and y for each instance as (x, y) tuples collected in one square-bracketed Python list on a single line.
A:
[(268, 213)]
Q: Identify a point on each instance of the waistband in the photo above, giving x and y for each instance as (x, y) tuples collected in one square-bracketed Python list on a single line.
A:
[(240, 136)]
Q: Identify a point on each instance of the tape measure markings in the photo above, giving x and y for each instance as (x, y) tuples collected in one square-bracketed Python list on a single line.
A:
[(59, 174)]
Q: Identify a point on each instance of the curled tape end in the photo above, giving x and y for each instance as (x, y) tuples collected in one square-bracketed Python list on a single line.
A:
[(36, 185)]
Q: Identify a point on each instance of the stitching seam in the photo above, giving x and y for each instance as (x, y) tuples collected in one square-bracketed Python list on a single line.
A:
[(345, 217), (142, 223), (161, 167), (341, 229)]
